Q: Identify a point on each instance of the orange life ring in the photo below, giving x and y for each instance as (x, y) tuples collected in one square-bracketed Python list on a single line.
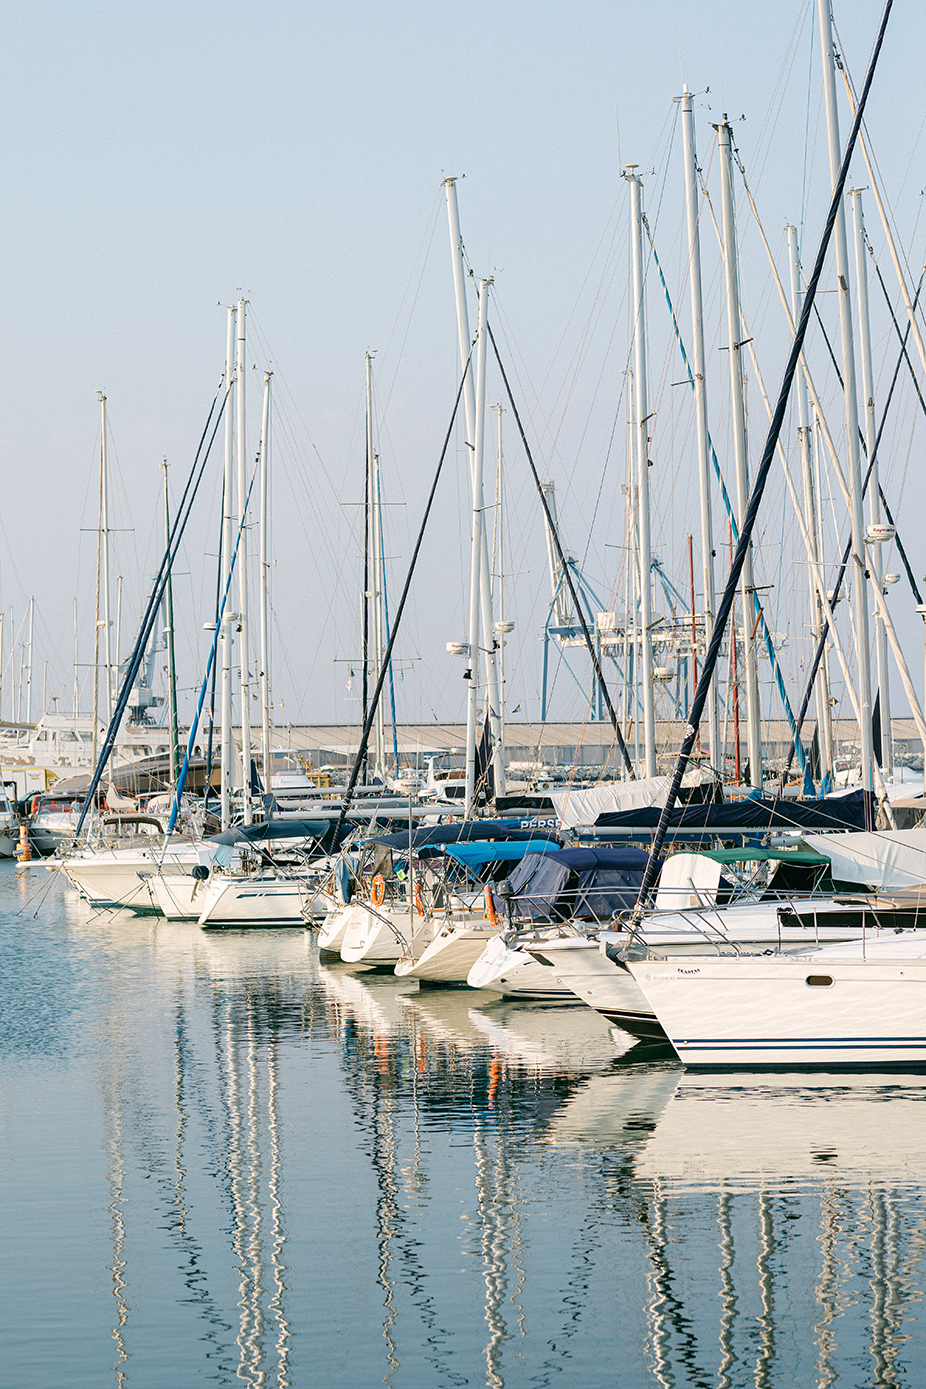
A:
[(419, 900), (490, 908), (378, 890)]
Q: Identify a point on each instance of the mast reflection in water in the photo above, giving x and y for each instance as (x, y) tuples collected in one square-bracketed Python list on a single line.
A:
[(225, 1163)]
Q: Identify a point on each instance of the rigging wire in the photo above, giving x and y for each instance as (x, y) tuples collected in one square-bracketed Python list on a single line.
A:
[(761, 478), (175, 537)]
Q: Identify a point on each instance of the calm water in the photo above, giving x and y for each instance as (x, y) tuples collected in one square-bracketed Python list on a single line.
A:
[(223, 1162)]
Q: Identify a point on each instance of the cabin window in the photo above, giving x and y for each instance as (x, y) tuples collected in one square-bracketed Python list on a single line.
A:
[(819, 981)]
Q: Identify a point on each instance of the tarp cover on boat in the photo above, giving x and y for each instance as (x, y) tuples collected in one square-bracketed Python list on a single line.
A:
[(583, 807), (889, 858), (272, 829), (456, 834), (830, 813), (600, 882)]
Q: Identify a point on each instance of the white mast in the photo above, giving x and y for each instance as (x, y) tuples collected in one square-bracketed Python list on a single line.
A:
[(874, 493), (700, 393), (476, 552), (29, 662), (858, 557), (168, 611), (243, 652), (811, 506), (738, 406), (459, 287), (375, 577), (228, 548), (118, 644), (493, 697), (266, 751), (104, 572), (641, 424), (75, 659), (504, 626)]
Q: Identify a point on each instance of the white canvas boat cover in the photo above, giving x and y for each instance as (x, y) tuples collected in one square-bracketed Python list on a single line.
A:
[(888, 858), (582, 807), (688, 880)]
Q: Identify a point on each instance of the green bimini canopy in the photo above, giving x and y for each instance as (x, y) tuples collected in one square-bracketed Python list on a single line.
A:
[(763, 855)]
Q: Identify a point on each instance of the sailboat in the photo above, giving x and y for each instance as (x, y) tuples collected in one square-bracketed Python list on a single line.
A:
[(836, 1005)]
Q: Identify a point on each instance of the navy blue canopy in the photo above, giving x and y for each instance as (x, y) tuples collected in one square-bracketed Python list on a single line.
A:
[(461, 832), (588, 883), (273, 829), (830, 813)]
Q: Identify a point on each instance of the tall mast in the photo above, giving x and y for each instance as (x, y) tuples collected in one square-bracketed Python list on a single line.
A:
[(266, 751), (228, 549), (104, 573), (738, 408), (503, 626), (476, 548), (169, 641), (243, 649), (858, 557), (117, 644), (493, 697), (875, 563), (375, 569), (811, 505), (700, 396), (29, 661), (641, 426), (459, 289), (95, 704), (19, 690), (365, 624), (75, 660)]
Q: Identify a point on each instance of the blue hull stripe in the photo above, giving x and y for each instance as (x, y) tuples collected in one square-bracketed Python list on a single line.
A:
[(759, 1043)]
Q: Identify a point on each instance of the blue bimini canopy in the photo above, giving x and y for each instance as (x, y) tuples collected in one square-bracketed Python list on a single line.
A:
[(475, 855), (587, 883)]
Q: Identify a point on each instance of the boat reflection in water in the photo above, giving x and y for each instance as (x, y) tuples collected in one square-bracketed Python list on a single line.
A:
[(308, 1174), (737, 1174)]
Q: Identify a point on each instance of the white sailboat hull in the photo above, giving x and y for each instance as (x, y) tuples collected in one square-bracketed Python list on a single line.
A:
[(110, 877), (177, 896), (383, 939), (334, 928), (450, 956), (515, 974), (256, 900), (581, 964), (783, 1011)]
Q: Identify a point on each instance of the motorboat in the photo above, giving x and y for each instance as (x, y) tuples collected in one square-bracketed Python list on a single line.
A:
[(54, 820), (9, 827)]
